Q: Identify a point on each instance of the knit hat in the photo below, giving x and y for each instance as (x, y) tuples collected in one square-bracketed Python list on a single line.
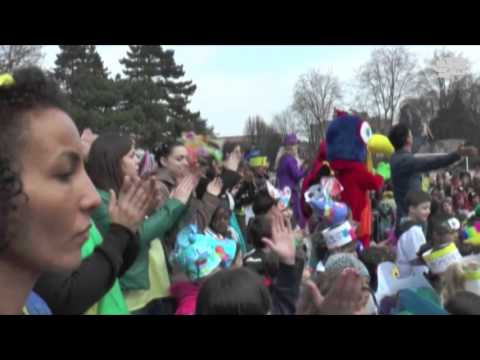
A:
[(198, 255), (340, 262), (290, 140)]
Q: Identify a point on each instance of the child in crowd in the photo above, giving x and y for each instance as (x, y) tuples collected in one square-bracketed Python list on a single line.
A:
[(220, 225), (321, 294), (446, 206), (461, 276), (341, 239), (199, 256), (374, 256), (445, 230), (241, 292), (461, 205), (260, 259), (386, 217), (411, 234), (438, 258)]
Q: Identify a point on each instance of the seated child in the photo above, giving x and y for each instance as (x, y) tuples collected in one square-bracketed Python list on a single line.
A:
[(199, 256), (241, 292), (341, 239), (461, 276), (220, 224), (260, 259), (327, 281)]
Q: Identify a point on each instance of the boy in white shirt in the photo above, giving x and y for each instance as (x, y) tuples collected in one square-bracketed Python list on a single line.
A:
[(411, 233)]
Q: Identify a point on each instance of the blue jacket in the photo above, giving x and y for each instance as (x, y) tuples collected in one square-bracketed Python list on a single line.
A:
[(406, 171)]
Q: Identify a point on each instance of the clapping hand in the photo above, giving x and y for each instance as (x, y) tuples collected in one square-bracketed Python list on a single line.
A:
[(185, 188), (132, 204)]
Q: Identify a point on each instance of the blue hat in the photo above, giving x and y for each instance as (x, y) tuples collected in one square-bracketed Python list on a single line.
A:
[(198, 255), (251, 154)]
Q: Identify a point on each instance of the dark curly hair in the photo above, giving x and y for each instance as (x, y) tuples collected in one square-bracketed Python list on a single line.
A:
[(164, 150), (32, 90)]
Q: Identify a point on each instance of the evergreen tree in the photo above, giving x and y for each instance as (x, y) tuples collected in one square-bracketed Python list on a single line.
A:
[(82, 74), (152, 83)]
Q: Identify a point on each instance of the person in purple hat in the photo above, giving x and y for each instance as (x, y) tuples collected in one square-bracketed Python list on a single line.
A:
[(289, 174)]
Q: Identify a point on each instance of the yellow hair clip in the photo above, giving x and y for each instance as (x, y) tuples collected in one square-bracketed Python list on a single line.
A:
[(6, 80)]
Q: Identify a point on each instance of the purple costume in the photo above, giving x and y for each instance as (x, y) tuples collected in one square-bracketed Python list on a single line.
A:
[(289, 174)]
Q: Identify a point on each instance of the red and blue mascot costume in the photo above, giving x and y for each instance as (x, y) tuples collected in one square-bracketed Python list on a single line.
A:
[(347, 139)]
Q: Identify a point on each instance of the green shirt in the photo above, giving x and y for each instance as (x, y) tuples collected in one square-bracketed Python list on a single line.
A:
[(113, 302)]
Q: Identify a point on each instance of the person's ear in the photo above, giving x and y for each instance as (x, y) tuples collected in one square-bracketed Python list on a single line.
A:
[(163, 161)]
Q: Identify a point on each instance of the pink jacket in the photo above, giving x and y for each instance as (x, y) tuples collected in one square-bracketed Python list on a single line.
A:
[(186, 295)]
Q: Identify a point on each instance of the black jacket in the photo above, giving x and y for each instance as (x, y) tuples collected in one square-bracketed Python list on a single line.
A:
[(73, 293), (230, 179), (285, 290)]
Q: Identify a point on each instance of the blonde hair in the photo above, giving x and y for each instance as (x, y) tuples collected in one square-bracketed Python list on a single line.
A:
[(454, 278), (292, 150)]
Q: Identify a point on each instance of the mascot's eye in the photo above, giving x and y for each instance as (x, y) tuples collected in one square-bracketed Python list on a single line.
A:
[(365, 132)]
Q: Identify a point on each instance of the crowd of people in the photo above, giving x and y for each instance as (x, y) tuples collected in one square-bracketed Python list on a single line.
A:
[(95, 224)]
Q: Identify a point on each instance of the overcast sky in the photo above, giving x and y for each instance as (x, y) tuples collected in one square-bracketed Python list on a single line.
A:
[(234, 81)]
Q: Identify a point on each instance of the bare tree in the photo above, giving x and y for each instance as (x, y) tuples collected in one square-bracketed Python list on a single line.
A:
[(285, 122), (263, 137), (386, 78), (472, 94), (439, 90), (14, 56), (314, 100), (255, 128)]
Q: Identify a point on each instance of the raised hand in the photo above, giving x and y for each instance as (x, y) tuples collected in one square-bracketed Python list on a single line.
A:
[(132, 204), (215, 187), (283, 241), (185, 188)]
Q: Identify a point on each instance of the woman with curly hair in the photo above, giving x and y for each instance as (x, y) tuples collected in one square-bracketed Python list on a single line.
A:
[(46, 196)]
